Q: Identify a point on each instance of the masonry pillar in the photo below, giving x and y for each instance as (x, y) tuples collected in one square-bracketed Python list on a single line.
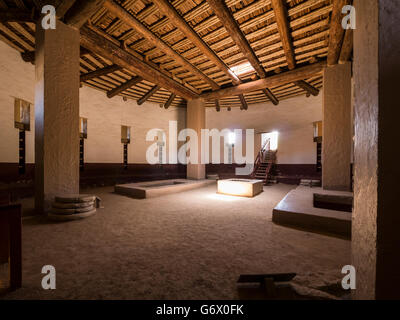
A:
[(196, 120), (56, 113), (337, 132), (376, 218)]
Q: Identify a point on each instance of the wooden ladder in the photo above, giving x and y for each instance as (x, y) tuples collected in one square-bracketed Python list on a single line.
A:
[(263, 163)]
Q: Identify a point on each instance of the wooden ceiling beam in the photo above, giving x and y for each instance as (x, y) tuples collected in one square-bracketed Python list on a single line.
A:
[(270, 82), (84, 51), (243, 102), (148, 95), (225, 16), (271, 96), (217, 105), (347, 47), (178, 21), (307, 87), (336, 32), (28, 56), (108, 50), (126, 85), (16, 15), (99, 72), (63, 7), (20, 4), (81, 11), (169, 101), (134, 23), (40, 3), (281, 17), (267, 92)]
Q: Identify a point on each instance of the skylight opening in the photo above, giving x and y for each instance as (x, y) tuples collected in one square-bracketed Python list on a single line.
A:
[(242, 68)]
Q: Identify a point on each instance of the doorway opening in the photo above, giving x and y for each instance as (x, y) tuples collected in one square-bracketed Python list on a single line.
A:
[(273, 140)]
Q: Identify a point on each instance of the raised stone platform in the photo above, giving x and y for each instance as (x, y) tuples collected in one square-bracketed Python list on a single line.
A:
[(240, 187), (151, 189), (297, 210)]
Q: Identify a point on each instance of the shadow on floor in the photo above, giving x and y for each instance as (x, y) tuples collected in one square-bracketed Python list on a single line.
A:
[(313, 230), (39, 220)]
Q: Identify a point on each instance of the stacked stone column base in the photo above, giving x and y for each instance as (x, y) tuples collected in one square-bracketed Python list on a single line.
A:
[(73, 207)]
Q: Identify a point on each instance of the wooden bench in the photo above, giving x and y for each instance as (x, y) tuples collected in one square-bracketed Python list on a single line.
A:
[(265, 285), (11, 242)]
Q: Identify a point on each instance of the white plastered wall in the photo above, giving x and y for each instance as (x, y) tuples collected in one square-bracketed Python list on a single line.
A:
[(105, 117), (293, 118)]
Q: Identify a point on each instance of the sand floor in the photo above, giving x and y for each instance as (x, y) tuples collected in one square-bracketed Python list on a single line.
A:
[(191, 245)]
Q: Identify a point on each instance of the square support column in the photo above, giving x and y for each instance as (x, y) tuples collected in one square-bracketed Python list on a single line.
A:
[(196, 120), (337, 132), (56, 113), (376, 218)]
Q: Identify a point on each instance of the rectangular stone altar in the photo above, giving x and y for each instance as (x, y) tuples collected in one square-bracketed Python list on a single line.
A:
[(240, 187)]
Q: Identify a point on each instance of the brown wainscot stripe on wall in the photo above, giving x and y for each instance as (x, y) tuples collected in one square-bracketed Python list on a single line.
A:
[(14, 185), (93, 174), (98, 174), (224, 171), (293, 173), (285, 173), (106, 174)]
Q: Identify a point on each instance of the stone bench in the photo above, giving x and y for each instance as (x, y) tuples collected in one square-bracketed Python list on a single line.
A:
[(333, 202)]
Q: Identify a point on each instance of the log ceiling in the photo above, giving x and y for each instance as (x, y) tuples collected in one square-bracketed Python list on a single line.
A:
[(169, 51)]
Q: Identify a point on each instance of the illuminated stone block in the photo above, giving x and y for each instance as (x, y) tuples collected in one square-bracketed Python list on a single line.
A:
[(240, 187)]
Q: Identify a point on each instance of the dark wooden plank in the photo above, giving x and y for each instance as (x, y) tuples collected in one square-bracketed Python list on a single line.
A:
[(15, 248), (11, 215), (4, 231), (4, 242)]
